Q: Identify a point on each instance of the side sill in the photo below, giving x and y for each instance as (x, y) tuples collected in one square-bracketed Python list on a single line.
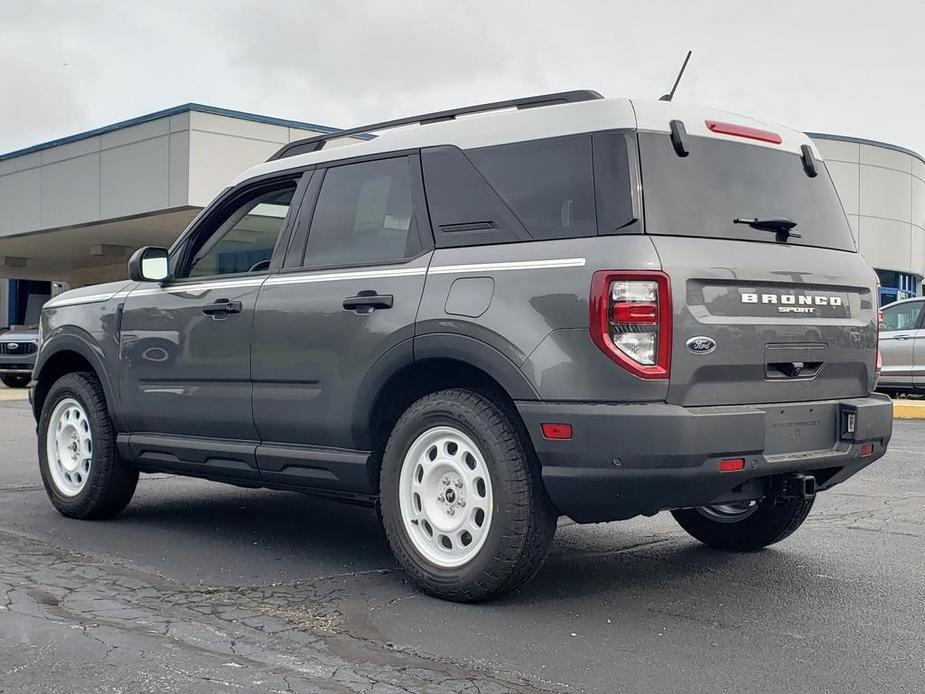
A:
[(274, 465)]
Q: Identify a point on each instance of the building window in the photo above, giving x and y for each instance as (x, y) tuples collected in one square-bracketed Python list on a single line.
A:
[(896, 285)]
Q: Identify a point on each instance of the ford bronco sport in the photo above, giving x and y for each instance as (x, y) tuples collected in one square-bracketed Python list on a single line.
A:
[(483, 319)]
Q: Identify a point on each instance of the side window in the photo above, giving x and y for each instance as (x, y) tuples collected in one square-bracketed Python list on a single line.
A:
[(244, 239), (547, 183), (364, 215), (902, 316)]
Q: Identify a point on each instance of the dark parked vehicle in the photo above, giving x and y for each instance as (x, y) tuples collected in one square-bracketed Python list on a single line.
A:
[(18, 348), (564, 306)]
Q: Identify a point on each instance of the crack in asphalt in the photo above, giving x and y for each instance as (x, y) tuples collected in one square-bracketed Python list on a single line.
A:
[(280, 638)]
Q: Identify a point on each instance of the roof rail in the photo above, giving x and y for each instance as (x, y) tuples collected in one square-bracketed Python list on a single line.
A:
[(313, 144)]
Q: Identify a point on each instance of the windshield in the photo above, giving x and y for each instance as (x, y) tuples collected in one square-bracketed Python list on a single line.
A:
[(703, 193)]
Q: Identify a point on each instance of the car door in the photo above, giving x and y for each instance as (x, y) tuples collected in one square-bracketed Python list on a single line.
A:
[(185, 344), (900, 337), (342, 309)]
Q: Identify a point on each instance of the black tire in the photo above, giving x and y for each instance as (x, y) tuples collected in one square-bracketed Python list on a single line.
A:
[(771, 521), (15, 380), (523, 518), (111, 482)]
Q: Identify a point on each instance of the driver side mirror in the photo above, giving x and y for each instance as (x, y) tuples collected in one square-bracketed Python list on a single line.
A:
[(149, 264)]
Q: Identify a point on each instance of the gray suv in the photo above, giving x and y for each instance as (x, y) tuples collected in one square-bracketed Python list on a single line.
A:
[(18, 348), (483, 319)]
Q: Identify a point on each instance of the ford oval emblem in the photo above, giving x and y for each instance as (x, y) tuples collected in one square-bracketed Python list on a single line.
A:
[(701, 345), (12, 346)]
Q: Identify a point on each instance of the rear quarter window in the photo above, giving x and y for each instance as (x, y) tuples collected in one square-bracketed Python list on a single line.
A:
[(701, 194), (556, 188), (548, 184)]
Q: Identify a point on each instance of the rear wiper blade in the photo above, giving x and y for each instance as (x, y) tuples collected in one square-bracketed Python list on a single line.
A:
[(779, 225)]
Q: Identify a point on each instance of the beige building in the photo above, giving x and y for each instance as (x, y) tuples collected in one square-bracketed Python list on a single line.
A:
[(73, 210), (882, 188)]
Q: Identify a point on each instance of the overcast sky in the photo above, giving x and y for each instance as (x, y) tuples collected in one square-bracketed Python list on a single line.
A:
[(846, 67)]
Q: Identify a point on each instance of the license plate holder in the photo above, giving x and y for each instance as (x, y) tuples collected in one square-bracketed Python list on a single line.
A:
[(794, 428)]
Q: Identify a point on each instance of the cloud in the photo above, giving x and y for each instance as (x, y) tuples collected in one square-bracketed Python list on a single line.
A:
[(826, 65)]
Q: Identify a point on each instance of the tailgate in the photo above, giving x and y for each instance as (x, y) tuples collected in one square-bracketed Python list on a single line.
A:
[(789, 323)]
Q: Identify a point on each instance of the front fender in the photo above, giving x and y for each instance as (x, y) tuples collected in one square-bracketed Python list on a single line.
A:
[(76, 341)]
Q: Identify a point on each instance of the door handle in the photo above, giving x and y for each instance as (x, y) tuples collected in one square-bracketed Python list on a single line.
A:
[(368, 301), (903, 337), (222, 307)]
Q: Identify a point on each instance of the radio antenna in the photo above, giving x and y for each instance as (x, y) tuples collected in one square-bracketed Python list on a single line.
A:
[(670, 95)]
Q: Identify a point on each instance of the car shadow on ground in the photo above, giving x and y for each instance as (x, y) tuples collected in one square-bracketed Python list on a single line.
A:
[(287, 522), (585, 561)]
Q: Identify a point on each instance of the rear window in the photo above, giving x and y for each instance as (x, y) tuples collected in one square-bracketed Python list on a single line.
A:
[(719, 181), (364, 215)]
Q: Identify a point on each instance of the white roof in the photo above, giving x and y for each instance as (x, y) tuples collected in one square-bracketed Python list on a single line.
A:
[(501, 127)]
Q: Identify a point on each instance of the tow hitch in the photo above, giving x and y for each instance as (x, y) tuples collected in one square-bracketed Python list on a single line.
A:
[(796, 486)]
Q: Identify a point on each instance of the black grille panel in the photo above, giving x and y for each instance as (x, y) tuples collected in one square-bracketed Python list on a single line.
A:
[(21, 348)]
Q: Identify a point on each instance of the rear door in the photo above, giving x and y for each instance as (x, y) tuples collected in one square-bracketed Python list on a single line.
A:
[(901, 337), (792, 318), (345, 301)]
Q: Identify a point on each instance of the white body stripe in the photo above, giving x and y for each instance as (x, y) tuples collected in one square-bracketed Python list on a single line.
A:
[(511, 265), (193, 288), (86, 299), (337, 276)]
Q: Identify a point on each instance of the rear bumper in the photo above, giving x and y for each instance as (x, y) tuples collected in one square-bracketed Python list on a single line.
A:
[(627, 460)]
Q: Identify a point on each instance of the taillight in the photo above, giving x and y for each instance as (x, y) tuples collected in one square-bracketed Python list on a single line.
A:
[(630, 320), (878, 365)]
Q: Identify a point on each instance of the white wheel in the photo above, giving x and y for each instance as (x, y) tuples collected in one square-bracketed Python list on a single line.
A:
[(69, 446), (445, 496), (729, 513)]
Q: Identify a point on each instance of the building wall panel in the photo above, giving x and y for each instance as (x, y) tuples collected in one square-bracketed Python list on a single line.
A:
[(885, 193), (887, 244), (71, 191), (20, 201), (134, 177), (885, 157)]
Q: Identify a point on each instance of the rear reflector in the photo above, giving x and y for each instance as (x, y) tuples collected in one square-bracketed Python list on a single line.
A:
[(716, 126), (639, 313), (557, 431), (732, 465), (867, 449)]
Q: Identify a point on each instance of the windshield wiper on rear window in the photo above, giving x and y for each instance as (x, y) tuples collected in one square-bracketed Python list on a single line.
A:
[(778, 225)]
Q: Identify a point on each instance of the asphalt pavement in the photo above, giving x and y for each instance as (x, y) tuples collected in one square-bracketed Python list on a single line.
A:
[(201, 587)]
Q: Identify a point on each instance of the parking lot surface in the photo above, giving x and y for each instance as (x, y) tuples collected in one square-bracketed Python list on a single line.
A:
[(200, 587)]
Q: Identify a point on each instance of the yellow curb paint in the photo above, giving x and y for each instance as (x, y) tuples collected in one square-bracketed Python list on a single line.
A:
[(908, 409)]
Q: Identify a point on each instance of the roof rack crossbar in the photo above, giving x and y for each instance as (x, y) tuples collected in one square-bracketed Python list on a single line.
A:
[(315, 143)]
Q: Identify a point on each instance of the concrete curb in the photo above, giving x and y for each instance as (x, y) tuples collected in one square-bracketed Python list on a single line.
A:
[(8, 394), (909, 409)]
